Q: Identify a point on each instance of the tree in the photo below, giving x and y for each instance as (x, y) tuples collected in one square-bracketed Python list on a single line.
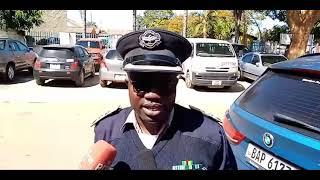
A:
[(156, 18), (274, 33), (301, 22), (20, 19), (92, 24), (237, 17), (175, 24)]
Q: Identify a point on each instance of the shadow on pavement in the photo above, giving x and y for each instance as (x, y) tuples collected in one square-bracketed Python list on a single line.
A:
[(114, 85), (89, 82), (21, 77), (233, 89)]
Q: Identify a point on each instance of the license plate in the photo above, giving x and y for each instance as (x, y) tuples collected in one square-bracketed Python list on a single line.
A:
[(118, 77), (216, 83), (54, 66), (264, 160)]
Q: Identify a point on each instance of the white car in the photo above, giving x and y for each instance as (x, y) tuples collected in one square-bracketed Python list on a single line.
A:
[(253, 64), (212, 63)]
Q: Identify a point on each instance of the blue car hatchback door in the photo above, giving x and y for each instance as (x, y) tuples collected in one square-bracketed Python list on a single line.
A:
[(275, 123)]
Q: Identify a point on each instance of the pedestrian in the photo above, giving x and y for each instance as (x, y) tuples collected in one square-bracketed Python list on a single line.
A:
[(156, 133)]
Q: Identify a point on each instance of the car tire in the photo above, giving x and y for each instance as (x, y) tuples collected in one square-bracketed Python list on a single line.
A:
[(104, 83), (93, 71), (40, 82), (241, 78), (30, 70), (188, 81), (10, 73), (80, 82)]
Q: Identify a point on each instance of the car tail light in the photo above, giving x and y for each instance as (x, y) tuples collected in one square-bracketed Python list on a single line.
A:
[(232, 133), (37, 64), (103, 64), (74, 64)]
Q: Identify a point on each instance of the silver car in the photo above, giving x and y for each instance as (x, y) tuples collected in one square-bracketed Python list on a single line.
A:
[(111, 69), (253, 64)]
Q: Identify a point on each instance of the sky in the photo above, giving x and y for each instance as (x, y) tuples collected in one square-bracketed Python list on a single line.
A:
[(122, 19)]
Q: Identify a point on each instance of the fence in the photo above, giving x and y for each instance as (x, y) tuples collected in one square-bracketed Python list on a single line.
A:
[(42, 38), (268, 47)]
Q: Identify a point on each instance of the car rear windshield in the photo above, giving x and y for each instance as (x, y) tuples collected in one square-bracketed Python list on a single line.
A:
[(214, 50), (266, 60), (113, 54), (89, 44), (291, 95), (2, 44), (57, 52)]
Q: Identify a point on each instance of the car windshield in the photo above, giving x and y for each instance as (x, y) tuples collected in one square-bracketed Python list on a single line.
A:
[(267, 60), (2, 44), (89, 44), (113, 54), (214, 50), (56, 52)]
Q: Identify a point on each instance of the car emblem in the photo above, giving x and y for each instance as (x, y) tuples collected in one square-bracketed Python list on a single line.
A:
[(268, 140), (149, 39)]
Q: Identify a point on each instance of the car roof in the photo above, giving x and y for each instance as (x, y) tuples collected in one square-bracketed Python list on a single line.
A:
[(206, 40), (61, 46), (306, 63), (264, 54)]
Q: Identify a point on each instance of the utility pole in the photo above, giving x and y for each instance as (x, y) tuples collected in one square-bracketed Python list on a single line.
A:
[(134, 20), (85, 23), (185, 23)]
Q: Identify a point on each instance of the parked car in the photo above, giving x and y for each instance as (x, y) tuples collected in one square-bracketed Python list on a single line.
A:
[(253, 64), (95, 47), (63, 62), (274, 124), (14, 56), (212, 63), (111, 69)]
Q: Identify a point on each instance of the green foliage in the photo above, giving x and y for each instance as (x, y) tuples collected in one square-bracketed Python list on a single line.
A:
[(20, 19), (274, 33), (155, 18)]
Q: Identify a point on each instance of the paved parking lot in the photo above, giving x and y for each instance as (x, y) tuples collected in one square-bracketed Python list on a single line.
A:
[(48, 127)]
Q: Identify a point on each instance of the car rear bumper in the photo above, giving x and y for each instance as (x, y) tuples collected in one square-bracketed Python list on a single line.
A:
[(111, 75), (207, 79), (56, 74)]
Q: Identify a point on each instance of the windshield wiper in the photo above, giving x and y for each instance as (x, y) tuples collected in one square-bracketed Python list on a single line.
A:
[(294, 122)]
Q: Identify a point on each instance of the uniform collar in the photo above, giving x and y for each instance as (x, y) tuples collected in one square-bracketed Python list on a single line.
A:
[(131, 119)]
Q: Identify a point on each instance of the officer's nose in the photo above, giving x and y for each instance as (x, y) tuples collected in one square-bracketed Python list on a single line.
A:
[(153, 94)]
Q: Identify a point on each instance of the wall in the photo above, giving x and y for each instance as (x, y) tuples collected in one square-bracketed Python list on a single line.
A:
[(12, 34)]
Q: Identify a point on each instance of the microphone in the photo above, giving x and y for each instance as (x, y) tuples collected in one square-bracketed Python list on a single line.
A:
[(99, 157)]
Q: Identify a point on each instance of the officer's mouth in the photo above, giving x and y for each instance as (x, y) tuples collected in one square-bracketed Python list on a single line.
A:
[(152, 110)]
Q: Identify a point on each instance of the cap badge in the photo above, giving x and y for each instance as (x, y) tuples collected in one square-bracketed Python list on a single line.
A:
[(149, 39)]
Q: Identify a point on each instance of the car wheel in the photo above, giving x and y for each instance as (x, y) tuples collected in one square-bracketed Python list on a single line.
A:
[(80, 81), (241, 78), (40, 82), (103, 83), (93, 71), (188, 81), (10, 73), (30, 70)]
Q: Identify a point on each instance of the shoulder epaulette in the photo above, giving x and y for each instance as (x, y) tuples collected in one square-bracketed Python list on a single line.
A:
[(107, 114)]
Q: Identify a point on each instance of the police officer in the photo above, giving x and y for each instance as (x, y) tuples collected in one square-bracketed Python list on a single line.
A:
[(156, 133)]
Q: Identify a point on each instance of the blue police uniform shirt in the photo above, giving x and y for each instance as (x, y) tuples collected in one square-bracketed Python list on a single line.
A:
[(193, 141)]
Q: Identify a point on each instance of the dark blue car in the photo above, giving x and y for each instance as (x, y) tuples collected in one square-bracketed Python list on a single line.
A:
[(275, 123)]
